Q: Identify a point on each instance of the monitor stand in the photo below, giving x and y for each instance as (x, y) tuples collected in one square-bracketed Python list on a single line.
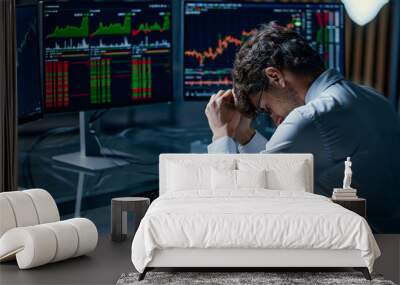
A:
[(91, 155)]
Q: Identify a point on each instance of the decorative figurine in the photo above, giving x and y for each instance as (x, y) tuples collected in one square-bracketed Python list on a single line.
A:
[(347, 174), (347, 192)]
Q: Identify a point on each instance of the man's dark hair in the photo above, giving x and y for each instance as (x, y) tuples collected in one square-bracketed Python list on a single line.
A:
[(271, 46)]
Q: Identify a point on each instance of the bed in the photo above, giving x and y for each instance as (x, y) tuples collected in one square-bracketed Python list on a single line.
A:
[(247, 211)]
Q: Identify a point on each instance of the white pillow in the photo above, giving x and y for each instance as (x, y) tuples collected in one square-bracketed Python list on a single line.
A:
[(186, 175), (251, 178), (281, 174), (223, 179), (236, 179), (292, 179)]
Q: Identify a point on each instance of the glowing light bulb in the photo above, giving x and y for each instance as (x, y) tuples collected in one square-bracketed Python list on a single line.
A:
[(362, 12)]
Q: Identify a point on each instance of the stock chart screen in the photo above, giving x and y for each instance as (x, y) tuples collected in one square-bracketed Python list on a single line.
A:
[(214, 32), (28, 64), (100, 55)]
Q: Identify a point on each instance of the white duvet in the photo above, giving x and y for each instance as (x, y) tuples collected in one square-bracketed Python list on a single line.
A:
[(250, 219)]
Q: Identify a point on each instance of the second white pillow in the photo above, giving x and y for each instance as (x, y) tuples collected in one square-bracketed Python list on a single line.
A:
[(236, 179), (251, 178)]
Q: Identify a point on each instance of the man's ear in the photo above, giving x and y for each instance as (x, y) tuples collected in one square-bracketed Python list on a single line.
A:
[(275, 77)]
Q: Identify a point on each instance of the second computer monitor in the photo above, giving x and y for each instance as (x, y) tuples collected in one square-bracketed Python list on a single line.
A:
[(28, 64), (214, 31), (106, 54)]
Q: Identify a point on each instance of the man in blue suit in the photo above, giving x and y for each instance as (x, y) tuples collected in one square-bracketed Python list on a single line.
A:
[(316, 111)]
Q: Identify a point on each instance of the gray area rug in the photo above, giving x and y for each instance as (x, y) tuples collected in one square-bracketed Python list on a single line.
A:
[(243, 278)]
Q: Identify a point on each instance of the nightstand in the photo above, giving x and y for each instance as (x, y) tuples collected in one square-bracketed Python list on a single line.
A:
[(358, 206), (119, 215)]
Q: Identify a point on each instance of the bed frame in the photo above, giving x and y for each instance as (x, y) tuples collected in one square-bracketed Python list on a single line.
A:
[(249, 259)]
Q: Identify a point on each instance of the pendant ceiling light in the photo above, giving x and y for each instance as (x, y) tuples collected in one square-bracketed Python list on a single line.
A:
[(363, 11)]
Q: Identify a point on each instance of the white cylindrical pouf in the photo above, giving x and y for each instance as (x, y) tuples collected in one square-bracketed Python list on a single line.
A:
[(67, 240), (23, 207), (45, 205), (87, 235), (7, 218), (33, 246)]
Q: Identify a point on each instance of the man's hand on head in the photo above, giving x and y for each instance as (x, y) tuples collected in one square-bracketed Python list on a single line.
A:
[(222, 115), (244, 132)]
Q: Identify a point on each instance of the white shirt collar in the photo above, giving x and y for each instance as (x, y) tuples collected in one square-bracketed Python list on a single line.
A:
[(326, 79)]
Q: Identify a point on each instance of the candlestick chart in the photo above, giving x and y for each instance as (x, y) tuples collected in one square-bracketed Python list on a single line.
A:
[(215, 31), (102, 55)]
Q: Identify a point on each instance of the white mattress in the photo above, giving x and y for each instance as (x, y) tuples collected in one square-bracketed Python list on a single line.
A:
[(250, 219)]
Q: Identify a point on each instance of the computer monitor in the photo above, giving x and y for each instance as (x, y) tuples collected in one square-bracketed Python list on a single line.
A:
[(106, 54), (29, 94), (214, 32)]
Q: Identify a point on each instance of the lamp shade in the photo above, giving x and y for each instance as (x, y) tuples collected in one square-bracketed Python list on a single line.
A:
[(362, 12)]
